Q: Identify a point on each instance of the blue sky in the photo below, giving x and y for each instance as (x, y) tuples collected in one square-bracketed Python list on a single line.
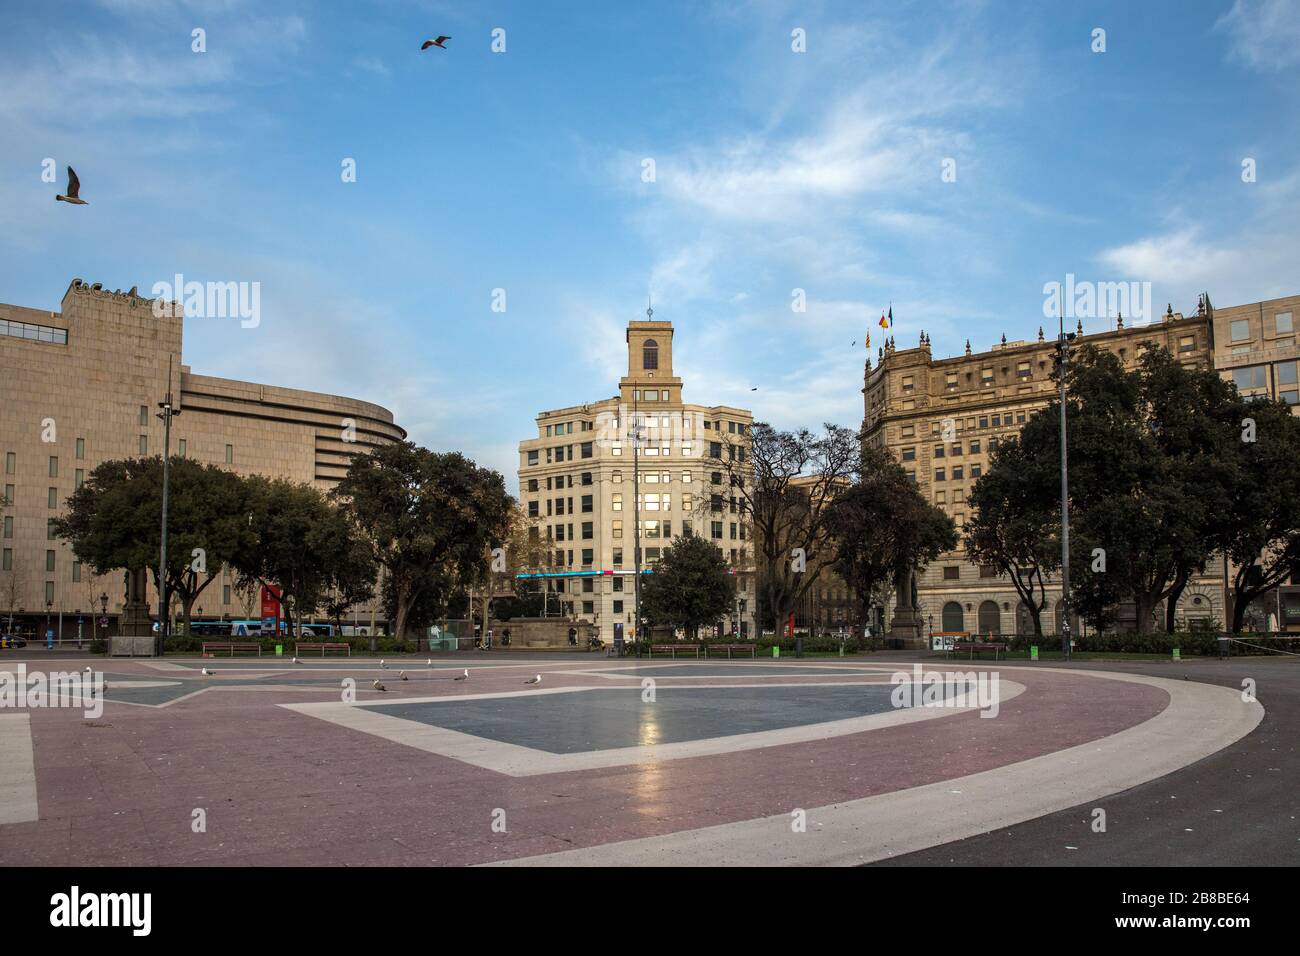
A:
[(522, 170)]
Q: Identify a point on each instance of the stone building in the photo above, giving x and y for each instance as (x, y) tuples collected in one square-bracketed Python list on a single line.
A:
[(82, 385), (942, 418), (584, 472)]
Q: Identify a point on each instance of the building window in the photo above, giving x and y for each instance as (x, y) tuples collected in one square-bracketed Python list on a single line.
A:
[(144, 414), (81, 448), (988, 571), (230, 454), (225, 593), (617, 526), (52, 498), (958, 472), (974, 471), (49, 560), (586, 478), (1240, 330), (950, 381), (952, 572), (49, 529), (7, 562), (909, 454), (939, 474), (618, 607), (532, 457), (617, 501), (1022, 370), (9, 495), (586, 449), (908, 383), (9, 526), (650, 354), (587, 532), (181, 447), (938, 452), (54, 466), (1187, 343), (49, 592), (1248, 378), (1282, 323), (76, 572), (986, 376), (588, 556), (532, 509), (618, 557), (11, 463), (144, 444)]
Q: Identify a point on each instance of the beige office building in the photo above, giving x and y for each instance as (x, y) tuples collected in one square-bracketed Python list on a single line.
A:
[(581, 474), (942, 418), (82, 385)]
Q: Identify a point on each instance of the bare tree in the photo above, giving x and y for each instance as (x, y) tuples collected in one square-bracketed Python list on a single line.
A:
[(780, 485)]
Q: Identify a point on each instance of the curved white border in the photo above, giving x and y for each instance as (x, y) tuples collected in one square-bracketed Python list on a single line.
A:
[(1200, 720)]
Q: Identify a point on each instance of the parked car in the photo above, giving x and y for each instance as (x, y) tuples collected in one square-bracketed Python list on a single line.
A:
[(12, 640)]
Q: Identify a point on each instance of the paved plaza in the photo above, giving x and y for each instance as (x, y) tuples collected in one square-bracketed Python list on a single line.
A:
[(601, 762)]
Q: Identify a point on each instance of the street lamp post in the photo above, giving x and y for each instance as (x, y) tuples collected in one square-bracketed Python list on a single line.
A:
[(636, 513), (1063, 351), (169, 411)]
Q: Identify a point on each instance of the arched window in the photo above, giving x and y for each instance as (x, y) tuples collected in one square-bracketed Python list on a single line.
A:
[(953, 619), (990, 618), (650, 354)]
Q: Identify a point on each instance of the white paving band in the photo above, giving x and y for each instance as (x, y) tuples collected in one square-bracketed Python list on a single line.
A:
[(1200, 720), (17, 770)]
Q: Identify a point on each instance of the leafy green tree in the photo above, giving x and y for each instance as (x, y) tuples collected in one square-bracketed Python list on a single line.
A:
[(883, 529), (433, 519), (1149, 459), (691, 585), (1258, 524), (1015, 520), (113, 521), (302, 544)]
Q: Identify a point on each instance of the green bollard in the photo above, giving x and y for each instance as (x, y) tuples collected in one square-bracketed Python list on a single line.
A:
[(1176, 655), (776, 650), (279, 650), (1033, 652)]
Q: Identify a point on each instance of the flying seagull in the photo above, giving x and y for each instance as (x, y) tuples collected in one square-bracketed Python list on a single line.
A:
[(534, 680), (74, 187), (379, 686), (464, 676), (437, 43)]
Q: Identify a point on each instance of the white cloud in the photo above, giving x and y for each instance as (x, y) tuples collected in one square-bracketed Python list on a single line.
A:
[(1264, 34)]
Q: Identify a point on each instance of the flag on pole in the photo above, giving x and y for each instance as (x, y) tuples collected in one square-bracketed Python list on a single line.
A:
[(868, 340), (884, 323), (891, 313)]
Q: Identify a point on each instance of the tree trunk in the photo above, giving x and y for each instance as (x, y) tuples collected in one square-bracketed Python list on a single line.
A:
[(1145, 607), (1171, 602)]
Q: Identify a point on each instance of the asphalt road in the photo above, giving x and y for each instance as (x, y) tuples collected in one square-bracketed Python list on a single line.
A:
[(1238, 807)]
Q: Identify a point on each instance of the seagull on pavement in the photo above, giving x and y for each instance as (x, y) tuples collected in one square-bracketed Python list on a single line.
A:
[(208, 673), (379, 686), (401, 675), (464, 676), (534, 680), (382, 665), (74, 187)]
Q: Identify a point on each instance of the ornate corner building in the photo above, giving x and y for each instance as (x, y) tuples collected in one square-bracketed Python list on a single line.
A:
[(942, 418), (585, 474), (82, 385)]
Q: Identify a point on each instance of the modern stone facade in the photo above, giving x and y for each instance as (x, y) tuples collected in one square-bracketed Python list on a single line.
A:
[(576, 478), (943, 417), (82, 385)]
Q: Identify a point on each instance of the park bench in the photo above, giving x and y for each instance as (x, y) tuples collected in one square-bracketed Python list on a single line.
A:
[(674, 648), (321, 646), (210, 648), (752, 648), (973, 646)]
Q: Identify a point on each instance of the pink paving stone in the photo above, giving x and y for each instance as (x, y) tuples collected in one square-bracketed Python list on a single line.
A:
[(284, 788)]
